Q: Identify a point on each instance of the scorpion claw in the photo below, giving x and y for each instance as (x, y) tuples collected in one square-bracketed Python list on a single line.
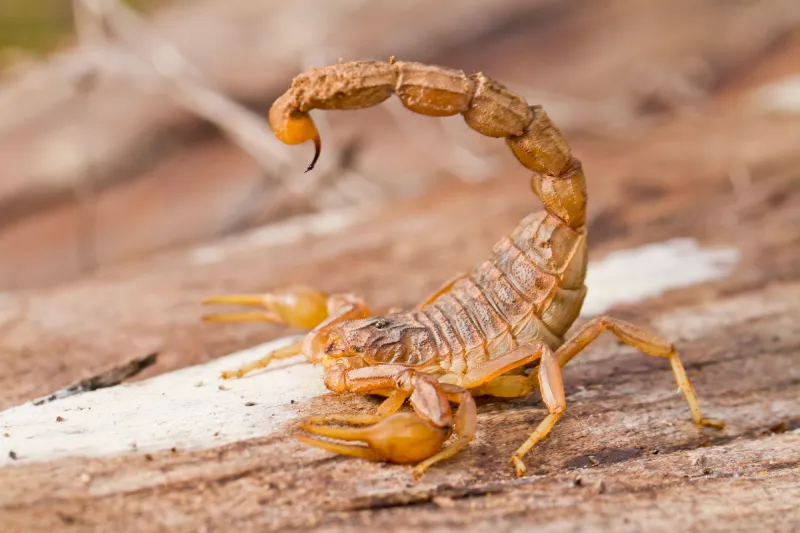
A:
[(350, 450), (237, 299), (263, 316), (400, 438), (301, 307), (252, 300)]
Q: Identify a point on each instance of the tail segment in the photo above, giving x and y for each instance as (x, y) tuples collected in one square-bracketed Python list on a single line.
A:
[(487, 107), (558, 177)]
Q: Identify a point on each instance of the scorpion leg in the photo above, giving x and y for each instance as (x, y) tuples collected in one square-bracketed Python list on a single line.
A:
[(645, 341), (496, 378), (552, 387), (496, 368), (295, 348), (466, 420), (394, 401), (489, 379), (402, 437), (515, 386)]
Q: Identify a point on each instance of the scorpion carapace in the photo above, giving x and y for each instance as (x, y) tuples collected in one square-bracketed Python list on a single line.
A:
[(498, 330)]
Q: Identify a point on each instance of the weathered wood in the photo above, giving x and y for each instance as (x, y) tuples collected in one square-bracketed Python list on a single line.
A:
[(625, 455)]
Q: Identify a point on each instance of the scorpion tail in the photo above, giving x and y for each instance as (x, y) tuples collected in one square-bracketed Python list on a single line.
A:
[(487, 106), (341, 86), (558, 178)]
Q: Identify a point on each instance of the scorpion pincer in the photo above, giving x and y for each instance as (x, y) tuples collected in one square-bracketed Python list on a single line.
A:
[(499, 330)]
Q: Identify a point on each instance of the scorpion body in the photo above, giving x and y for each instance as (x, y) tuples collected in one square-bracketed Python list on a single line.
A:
[(516, 297), (481, 332)]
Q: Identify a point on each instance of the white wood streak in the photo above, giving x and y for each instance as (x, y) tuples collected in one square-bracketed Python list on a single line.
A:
[(781, 97), (280, 233), (629, 276)]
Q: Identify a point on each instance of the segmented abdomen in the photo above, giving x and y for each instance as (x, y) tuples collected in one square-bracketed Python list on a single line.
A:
[(529, 289)]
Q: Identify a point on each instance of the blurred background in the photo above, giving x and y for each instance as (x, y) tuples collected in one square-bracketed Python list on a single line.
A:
[(132, 127)]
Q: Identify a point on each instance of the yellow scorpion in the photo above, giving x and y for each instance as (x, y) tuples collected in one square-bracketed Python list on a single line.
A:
[(497, 331)]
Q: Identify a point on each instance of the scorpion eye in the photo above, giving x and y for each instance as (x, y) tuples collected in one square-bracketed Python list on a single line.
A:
[(358, 349), (381, 324)]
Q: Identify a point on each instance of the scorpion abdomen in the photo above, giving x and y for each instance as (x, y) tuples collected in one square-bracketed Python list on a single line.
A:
[(530, 289)]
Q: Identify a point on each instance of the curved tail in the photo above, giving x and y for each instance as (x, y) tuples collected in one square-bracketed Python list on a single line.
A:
[(487, 107)]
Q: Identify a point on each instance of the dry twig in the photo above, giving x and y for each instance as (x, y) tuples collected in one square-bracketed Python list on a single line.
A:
[(149, 59), (146, 49)]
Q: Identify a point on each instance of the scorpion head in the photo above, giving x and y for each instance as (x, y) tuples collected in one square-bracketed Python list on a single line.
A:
[(395, 338)]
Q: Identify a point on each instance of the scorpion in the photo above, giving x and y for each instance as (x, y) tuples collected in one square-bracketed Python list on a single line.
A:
[(499, 330)]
